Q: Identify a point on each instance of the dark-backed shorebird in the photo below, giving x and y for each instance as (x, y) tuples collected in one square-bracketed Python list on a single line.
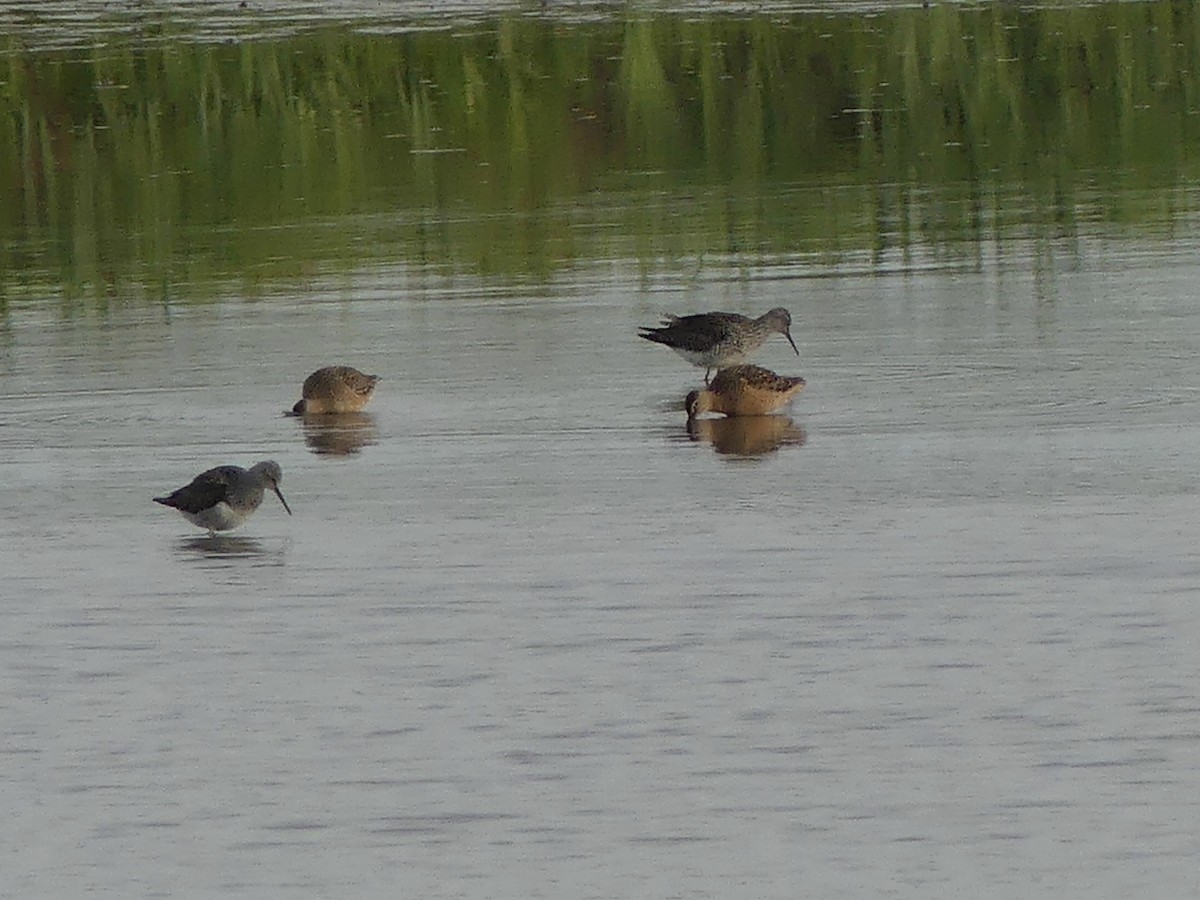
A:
[(718, 339), (744, 391), (335, 389), (224, 497)]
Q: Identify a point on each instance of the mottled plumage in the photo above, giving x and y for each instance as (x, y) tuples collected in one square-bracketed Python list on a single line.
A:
[(224, 497), (335, 389), (744, 391), (718, 339)]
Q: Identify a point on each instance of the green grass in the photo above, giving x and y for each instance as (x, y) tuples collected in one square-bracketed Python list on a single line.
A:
[(158, 167)]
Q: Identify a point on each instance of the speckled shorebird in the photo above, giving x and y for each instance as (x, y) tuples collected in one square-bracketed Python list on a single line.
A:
[(744, 391), (224, 497), (335, 389), (718, 339)]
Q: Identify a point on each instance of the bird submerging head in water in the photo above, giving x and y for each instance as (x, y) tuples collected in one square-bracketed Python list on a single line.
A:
[(335, 389), (744, 391)]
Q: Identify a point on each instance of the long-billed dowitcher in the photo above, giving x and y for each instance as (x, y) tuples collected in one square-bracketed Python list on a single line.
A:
[(718, 339), (744, 391), (335, 389), (224, 497)]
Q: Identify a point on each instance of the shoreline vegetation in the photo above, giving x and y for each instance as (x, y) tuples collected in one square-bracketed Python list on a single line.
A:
[(157, 165)]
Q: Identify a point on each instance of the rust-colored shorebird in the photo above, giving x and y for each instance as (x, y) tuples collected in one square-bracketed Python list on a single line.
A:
[(335, 389), (718, 339), (224, 497), (744, 391)]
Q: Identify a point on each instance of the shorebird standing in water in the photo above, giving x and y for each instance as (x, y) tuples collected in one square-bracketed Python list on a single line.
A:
[(335, 389), (718, 339), (744, 391), (224, 497)]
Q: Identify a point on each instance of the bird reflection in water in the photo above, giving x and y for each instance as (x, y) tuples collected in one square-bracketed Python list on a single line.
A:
[(747, 435), (338, 434), (221, 546)]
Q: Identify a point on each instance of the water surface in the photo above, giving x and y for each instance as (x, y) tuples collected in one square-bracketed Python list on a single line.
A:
[(531, 638)]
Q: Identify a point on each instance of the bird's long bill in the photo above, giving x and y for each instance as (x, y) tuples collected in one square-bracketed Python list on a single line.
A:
[(788, 335), (281, 500)]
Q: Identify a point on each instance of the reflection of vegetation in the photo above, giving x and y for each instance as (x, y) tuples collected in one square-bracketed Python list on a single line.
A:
[(496, 151)]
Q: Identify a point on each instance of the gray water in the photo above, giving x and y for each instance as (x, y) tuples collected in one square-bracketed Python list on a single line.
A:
[(526, 637)]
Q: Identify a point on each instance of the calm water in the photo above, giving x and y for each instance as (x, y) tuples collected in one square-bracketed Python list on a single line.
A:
[(932, 632), (524, 637)]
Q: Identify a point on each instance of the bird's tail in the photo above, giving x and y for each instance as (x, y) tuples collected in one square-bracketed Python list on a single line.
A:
[(652, 334)]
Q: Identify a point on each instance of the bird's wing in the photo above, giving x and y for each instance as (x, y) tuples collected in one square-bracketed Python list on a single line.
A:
[(765, 378), (205, 491), (755, 377), (697, 332)]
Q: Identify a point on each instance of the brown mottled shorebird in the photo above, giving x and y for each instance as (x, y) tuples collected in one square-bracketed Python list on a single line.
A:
[(718, 339), (335, 389), (744, 391), (224, 497)]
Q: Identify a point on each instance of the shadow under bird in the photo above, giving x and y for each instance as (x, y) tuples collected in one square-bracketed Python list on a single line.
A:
[(718, 339), (224, 497), (744, 391), (335, 389)]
